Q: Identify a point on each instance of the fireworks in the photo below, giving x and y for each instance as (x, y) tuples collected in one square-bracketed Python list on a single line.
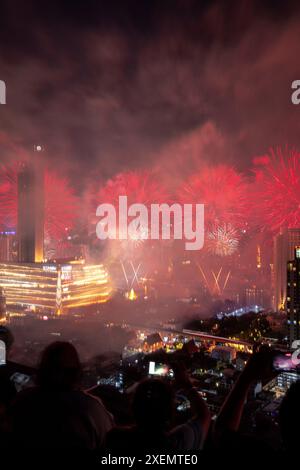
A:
[(223, 240), (60, 202), (142, 187), (223, 192), (277, 202), (139, 187), (61, 206), (135, 241), (8, 196), (215, 281)]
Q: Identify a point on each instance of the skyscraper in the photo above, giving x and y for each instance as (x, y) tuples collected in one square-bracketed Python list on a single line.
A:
[(31, 203), (284, 249), (293, 297)]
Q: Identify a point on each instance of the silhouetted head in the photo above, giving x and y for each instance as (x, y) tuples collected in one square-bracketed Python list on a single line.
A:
[(59, 367), (289, 417), (153, 404)]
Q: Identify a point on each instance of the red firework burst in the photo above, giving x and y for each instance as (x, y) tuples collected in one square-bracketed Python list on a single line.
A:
[(222, 191), (139, 187), (8, 196), (277, 190), (61, 204)]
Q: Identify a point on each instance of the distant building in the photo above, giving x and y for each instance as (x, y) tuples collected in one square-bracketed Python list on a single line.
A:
[(190, 347), (284, 247), (31, 213), (153, 343), (224, 353), (284, 380), (293, 297)]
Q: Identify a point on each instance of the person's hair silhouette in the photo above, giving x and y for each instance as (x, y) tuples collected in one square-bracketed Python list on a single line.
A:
[(59, 368), (153, 404)]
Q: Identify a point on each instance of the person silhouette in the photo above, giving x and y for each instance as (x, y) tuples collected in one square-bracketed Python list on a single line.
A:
[(56, 413), (153, 406), (289, 417)]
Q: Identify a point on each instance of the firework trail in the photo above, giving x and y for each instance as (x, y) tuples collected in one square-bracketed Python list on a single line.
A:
[(216, 280)]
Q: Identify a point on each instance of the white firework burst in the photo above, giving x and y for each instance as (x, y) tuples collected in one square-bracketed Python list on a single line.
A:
[(223, 240), (135, 241)]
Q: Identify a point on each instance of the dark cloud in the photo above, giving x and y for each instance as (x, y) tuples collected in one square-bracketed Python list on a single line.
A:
[(108, 86)]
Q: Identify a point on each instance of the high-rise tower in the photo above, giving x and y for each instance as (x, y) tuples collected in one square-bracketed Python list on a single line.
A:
[(31, 208), (293, 297), (284, 250)]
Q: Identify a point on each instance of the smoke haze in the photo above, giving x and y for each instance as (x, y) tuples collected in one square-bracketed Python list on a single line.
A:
[(111, 86)]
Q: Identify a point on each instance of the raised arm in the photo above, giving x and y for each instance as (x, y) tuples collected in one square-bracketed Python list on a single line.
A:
[(199, 408), (258, 367)]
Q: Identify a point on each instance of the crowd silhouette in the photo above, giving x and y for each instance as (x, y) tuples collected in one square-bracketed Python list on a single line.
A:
[(55, 413)]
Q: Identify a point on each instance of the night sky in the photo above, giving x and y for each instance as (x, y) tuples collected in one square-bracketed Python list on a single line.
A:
[(108, 86)]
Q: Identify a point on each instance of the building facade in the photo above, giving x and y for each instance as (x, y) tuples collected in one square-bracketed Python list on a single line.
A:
[(293, 297), (31, 208), (284, 249)]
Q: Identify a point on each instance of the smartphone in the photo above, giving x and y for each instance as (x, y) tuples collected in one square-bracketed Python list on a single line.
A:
[(159, 369), (2, 353)]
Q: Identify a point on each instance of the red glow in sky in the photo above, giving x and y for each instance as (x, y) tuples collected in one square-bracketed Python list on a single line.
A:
[(222, 190), (61, 206), (277, 201), (143, 187)]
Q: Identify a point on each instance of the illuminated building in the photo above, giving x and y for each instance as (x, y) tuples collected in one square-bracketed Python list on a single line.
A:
[(31, 212), (284, 248), (293, 297), (54, 287), (282, 382), (223, 353), (153, 343), (33, 284)]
